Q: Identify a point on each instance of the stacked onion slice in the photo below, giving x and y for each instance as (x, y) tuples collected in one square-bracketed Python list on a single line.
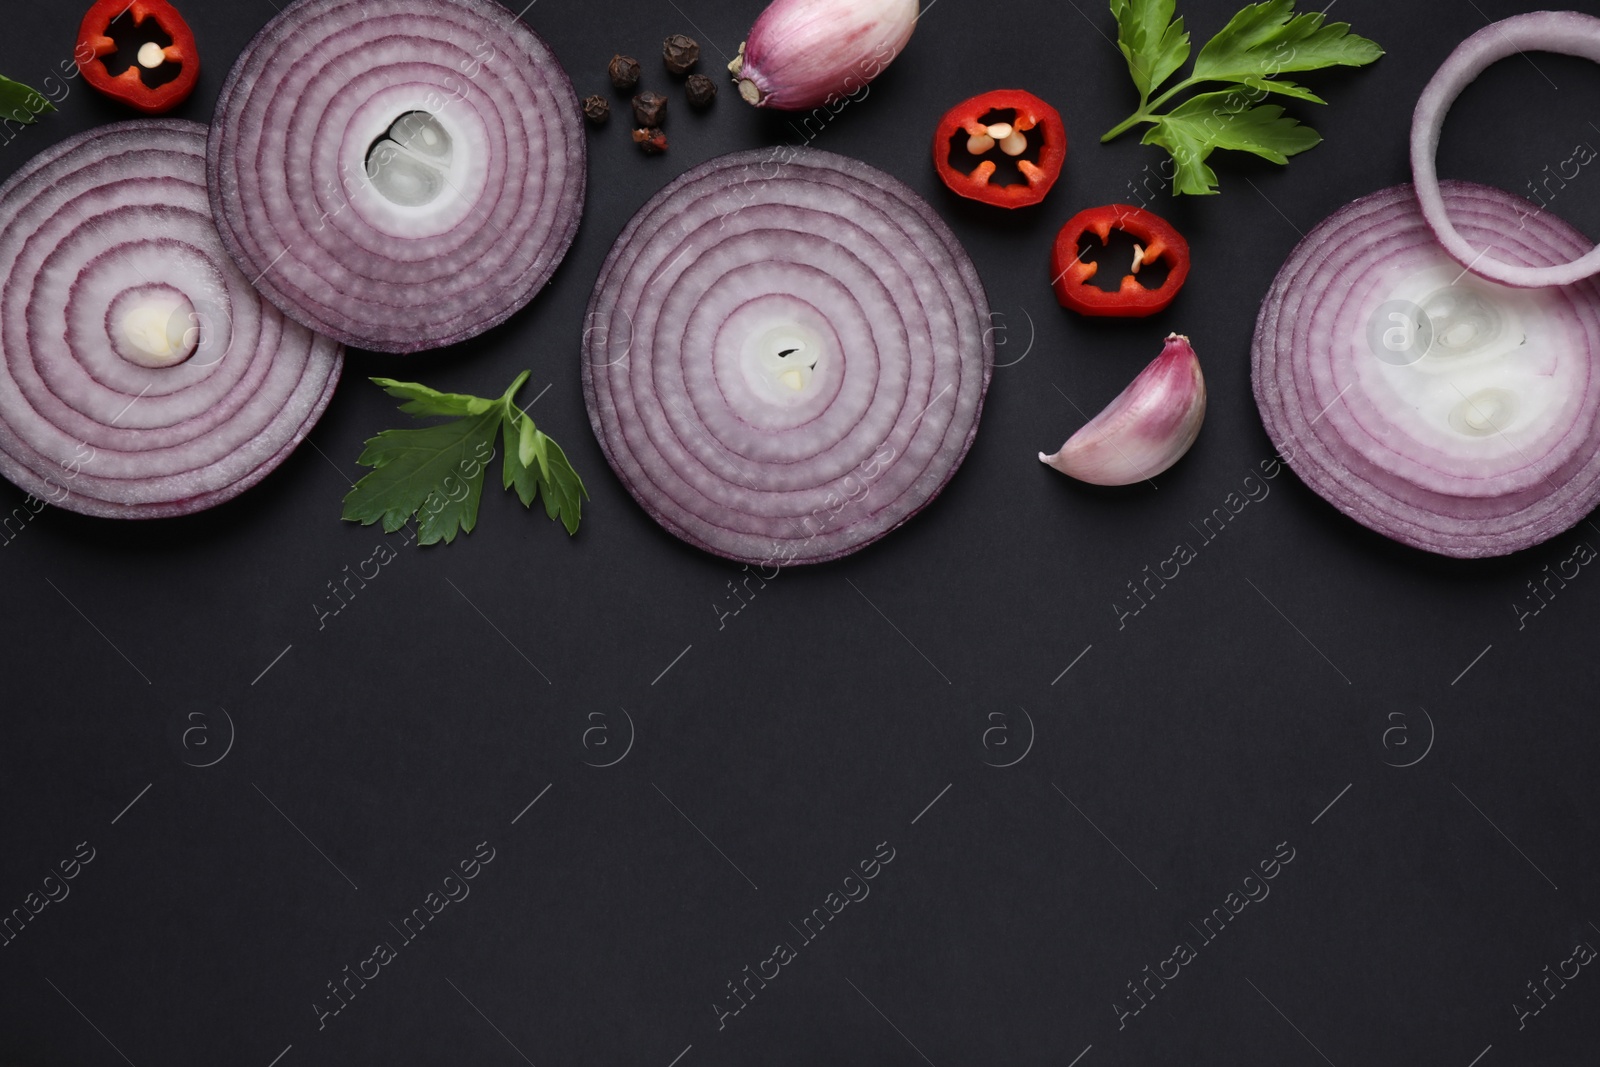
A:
[(141, 375), (1438, 408), (786, 356), (398, 174)]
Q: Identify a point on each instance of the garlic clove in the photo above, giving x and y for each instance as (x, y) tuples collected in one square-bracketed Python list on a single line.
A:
[(1146, 429), (805, 53)]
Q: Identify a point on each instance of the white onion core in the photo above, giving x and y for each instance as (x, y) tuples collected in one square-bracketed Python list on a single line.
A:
[(152, 326), (410, 166)]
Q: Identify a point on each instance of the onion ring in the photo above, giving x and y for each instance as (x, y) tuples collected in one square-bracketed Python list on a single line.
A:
[(398, 174), (1563, 32), (787, 356), (141, 375)]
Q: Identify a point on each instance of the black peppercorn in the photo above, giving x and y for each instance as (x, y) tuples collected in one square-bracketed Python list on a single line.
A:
[(649, 109), (681, 53), (650, 142), (702, 90), (624, 71), (596, 109)]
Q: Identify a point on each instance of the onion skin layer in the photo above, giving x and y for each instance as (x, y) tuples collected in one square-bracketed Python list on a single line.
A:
[(120, 210), (1313, 380), (314, 91), (905, 356)]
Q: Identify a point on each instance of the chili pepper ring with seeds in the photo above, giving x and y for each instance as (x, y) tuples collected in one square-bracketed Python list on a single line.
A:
[(1156, 241), (139, 86), (1033, 140)]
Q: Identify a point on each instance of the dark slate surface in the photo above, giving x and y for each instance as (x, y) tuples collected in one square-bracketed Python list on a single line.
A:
[(1305, 689)]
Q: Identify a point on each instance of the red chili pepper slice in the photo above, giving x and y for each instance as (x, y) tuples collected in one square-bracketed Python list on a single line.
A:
[(95, 44), (1158, 241), (1032, 116)]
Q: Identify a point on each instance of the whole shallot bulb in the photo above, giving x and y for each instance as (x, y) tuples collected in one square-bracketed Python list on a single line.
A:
[(804, 53)]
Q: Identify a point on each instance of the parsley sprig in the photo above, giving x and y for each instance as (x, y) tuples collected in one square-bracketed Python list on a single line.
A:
[(436, 472), (1261, 42)]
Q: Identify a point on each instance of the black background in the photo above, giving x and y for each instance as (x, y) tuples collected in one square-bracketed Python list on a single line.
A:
[(378, 749)]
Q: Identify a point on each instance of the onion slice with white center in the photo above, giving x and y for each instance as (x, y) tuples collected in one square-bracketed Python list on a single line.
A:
[(1438, 408), (141, 375), (398, 174), (1564, 32), (786, 356)]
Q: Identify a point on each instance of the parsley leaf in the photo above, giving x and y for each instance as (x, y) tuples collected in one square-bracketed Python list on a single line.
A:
[(1154, 45), (436, 472), (1259, 43), (1217, 120), (1278, 85), (18, 103), (425, 401), (535, 464), (1269, 38)]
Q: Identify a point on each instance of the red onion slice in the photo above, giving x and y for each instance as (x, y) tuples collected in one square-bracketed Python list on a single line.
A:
[(1440, 409), (786, 356), (141, 375), (398, 174), (1564, 32)]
